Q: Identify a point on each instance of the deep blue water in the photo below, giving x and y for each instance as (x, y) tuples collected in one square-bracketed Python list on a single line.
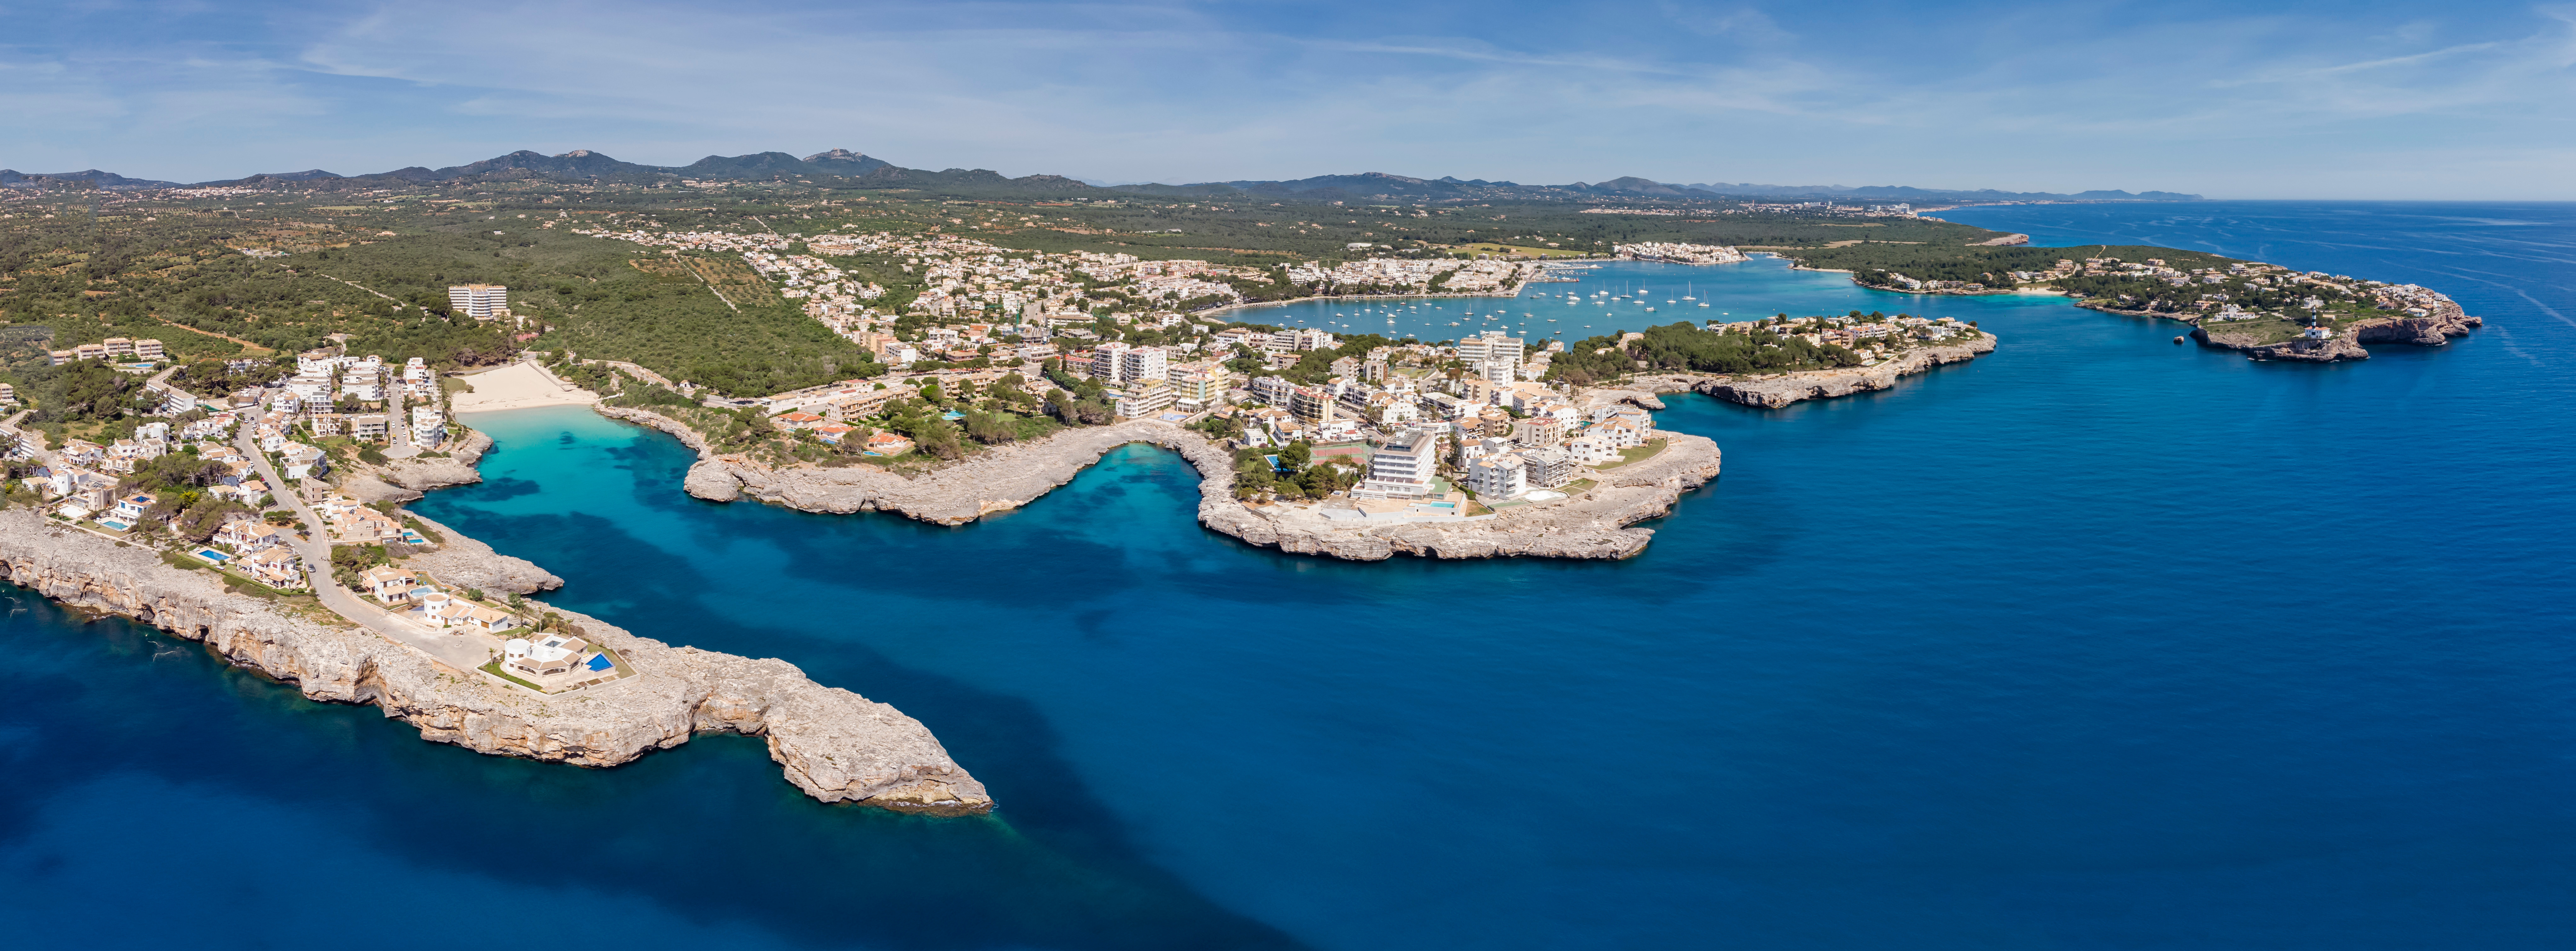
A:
[(2096, 642)]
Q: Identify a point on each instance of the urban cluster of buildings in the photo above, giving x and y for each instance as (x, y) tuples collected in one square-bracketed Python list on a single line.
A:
[(2222, 285), (1677, 253), (146, 350), (310, 399), (1514, 441), (1417, 275), (692, 240)]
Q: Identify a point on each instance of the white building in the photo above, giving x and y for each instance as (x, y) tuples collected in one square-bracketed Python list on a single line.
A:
[(1107, 361), (1142, 398), (311, 387), (1402, 468), (428, 426), (1294, 340), (479, 300), (1547, 467), (1491, 345), (1144, 363), (1497, 477), (548, 655)]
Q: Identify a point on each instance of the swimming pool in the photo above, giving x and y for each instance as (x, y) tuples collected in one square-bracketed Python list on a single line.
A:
[(212, 555)]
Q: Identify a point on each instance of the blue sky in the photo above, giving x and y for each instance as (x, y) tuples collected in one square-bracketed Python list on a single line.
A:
[(2241, 100)]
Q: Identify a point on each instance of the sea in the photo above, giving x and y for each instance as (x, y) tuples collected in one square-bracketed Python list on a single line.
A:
[(2099, 641)]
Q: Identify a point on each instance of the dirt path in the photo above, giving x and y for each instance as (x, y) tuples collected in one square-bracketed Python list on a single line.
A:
[(210, 333)]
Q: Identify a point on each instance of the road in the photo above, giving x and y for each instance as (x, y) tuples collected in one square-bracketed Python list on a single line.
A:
[(462, 651), (35, 440)]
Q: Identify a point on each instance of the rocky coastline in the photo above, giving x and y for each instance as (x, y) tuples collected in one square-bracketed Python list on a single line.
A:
[(1774, 391), (404, 480), (2432, 330), (1594, 524), (835, 745)]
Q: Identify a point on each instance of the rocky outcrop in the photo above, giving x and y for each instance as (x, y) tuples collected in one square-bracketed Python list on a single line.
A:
[(1594, 525), (403, 480), (1774, 392), (713, 481), (835, 745), (1639, 398), (2339, 347), (460, 560), (2433, 330)]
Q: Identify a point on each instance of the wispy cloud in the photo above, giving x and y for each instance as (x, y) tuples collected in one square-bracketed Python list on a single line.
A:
[(1980, 93)]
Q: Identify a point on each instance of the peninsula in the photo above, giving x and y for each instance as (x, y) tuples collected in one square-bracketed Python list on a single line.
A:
[(2266, 311), (178, 528)]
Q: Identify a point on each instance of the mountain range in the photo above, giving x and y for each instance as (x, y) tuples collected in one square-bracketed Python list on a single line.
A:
[(855, 170)]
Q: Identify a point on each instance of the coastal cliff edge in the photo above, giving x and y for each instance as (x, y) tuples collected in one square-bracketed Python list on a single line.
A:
[(835, 745)]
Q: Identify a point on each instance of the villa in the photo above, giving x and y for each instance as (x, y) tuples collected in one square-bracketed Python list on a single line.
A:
[(275, 567), (889, 444), (248, 536), (131, 508), (389, 585), (549, 655)]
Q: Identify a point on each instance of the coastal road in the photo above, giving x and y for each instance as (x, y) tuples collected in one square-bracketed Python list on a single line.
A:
[(35, 441), (460, 651)]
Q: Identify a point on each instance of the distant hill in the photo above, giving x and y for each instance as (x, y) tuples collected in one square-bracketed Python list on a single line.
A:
[(1910, 193), (845, 168), (92, 178)]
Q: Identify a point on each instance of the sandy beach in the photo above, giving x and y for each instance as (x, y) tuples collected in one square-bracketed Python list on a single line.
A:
[(517, 386)]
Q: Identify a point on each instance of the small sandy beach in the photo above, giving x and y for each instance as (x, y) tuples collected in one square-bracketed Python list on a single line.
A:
[(517, 386)]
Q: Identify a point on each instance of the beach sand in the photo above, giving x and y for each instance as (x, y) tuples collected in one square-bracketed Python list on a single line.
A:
[(518, 386)]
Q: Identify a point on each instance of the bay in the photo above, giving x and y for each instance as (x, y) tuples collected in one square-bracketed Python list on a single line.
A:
[(2097, 641)]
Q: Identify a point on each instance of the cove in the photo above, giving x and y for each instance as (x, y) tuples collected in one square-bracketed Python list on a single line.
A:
[(2094, 642)]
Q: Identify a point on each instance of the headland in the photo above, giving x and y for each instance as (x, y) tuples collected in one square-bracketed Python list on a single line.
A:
[(835, 745), (2266, 311)]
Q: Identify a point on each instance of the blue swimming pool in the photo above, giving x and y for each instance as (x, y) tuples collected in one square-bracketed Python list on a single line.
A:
[(212, 555)]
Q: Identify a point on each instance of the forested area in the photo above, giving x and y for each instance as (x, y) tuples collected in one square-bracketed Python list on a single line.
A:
[(1981, 265), (1684, 346)]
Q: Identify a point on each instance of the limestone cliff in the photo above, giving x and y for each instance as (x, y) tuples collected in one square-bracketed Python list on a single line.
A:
[(1776, 391), (835, 745), (460, 560), (2432, 330), (403, 480)]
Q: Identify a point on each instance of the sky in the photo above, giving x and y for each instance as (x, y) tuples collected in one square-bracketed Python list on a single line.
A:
[(2361, 99)]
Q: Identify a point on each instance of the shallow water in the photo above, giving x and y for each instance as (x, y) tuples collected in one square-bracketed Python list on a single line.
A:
[(2094, 642)]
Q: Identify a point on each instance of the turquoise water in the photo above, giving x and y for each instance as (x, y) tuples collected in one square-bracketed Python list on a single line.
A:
[(2095, 642)]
